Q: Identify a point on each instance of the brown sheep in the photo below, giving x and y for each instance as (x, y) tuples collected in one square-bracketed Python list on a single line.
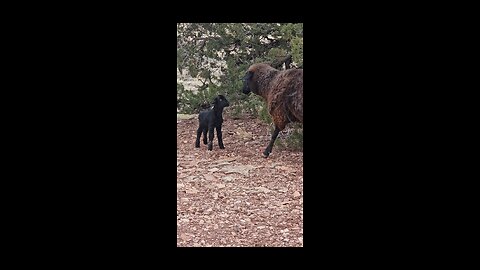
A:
[(283, 92)]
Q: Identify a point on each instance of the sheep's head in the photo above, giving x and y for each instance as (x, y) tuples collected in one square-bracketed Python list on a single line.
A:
[(221, 102), (255, 73), (247, 82)]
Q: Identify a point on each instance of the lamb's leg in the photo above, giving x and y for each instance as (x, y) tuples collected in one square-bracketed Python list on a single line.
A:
[(268, 150), (210, 138), (205, 136), (219, 137), (197, 141)]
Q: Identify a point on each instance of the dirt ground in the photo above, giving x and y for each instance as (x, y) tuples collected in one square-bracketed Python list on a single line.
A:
[(234, 197)]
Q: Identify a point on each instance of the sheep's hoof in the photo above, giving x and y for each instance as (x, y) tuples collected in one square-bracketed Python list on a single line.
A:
[(197, 146), (266, 154), (222, 147), (210, 146), (205, 142)]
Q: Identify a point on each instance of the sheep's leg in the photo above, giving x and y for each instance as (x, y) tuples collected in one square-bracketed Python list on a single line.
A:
[(197, 141), (268, 150), (219, 137), (210, 138)]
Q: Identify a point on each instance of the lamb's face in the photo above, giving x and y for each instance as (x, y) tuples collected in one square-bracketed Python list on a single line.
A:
[(221, 101), (246, 83)]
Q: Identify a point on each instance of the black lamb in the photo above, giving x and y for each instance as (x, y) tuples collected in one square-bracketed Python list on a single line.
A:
[(211, 119)]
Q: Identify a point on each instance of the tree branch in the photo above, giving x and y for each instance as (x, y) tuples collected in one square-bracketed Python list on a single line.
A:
[(278, 63)]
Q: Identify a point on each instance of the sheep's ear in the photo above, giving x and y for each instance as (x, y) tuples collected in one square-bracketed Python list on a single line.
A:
[(248, 76)]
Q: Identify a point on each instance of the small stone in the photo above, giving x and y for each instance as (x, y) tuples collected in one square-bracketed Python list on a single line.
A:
[(262, 189), (227, 178), (296, 194), (185, 237), (210, 177), (191, 191)]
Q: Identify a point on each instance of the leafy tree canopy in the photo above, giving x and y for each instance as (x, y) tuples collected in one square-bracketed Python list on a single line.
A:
[(218, 54)]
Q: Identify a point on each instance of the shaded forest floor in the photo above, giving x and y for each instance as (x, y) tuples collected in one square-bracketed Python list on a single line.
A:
[(234, 196)]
